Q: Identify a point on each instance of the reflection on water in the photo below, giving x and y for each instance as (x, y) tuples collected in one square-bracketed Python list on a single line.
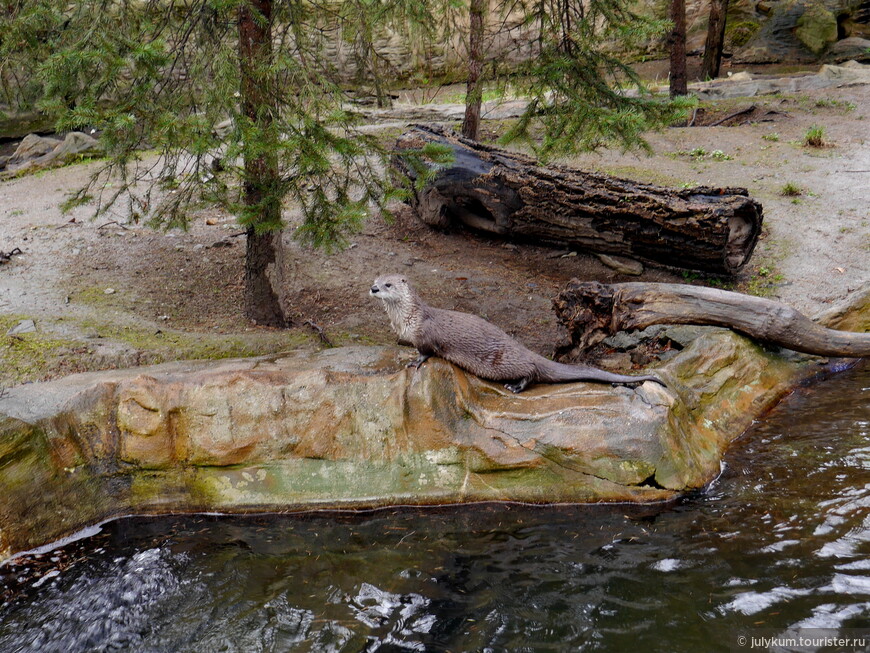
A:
[(781, 540)]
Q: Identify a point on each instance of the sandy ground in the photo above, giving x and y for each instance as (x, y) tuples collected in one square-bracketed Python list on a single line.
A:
[(104, 293)]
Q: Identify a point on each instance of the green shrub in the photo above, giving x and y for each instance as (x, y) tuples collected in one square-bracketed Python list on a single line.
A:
[(791, 190), (815, 136)]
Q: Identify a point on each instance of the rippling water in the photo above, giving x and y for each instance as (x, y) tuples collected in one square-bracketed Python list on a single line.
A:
[(781, 540)]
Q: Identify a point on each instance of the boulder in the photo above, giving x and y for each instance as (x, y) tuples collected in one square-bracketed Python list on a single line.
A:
[(849, 74), (816, 28), (353, 427), (853, 48), (32, 147), (15, 123), (37, 152), (73, 145)]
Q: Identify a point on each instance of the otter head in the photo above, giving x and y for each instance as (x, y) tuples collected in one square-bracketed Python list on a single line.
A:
[(391, 288), (401, 303)]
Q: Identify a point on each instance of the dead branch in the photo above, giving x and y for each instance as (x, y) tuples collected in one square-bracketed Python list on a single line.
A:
[(592, 311)]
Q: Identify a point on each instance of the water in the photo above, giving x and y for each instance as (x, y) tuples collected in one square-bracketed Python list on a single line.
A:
[(781, 540)]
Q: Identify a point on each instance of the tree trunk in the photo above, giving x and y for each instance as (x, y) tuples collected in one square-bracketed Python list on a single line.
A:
[(591, 311), (262, 304), (715, 40), (710, 229), (677, 41), (262, 179), (474, 87)]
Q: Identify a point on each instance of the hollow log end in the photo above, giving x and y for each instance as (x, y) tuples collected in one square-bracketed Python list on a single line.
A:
[(744, 228), (585, 309), (431, 208)]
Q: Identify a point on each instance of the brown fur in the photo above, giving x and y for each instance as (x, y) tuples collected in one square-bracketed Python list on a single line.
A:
[(474, 344)]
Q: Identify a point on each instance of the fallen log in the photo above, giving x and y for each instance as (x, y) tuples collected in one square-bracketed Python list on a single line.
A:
[(591, 311), (512, 195)]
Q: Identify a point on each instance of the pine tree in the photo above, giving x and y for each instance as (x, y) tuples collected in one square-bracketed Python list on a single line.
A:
[(235, 98), (474, 86), (677, 41), (584, 95), (715, 39), (234, 102), (29, 32)]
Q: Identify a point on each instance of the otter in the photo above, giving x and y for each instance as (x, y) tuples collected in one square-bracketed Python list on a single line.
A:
[(474, 344)]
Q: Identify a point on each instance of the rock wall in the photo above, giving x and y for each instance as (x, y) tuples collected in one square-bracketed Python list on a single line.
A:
[(757, 31), (804, 31), (404, 53)]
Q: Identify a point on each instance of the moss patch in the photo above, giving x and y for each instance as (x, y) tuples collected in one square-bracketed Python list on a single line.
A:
[(161, 345), (42, 355), (97, 297), (739, 33), (30, 356), (116, 319), (647, 175), (762, 277)]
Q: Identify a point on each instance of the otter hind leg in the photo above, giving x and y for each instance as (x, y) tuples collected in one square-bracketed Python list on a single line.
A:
[(417, 362), (517, 387)]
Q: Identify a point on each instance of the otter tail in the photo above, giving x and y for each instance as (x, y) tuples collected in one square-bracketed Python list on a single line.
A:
[(554, 372)]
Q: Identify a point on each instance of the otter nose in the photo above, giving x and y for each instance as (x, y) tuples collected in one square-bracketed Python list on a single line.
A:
[(375, 289)]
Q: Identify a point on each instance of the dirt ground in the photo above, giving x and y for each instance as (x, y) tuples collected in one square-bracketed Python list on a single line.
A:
[(103, 293)]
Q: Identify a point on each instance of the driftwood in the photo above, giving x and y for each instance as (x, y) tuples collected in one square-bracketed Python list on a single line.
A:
[(486, 188), (731, 116), (592, 311), (5, 257)]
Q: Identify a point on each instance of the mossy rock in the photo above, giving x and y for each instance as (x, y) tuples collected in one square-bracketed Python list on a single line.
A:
[(817, 28)]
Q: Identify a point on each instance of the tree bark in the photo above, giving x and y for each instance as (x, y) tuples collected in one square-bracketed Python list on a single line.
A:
[(709, 229), (474, 87), (715, 40), (262, 178), (262, 305), (591, 311), (678, 77)]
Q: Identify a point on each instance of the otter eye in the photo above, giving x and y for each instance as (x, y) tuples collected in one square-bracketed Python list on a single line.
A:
[(388, 285)]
